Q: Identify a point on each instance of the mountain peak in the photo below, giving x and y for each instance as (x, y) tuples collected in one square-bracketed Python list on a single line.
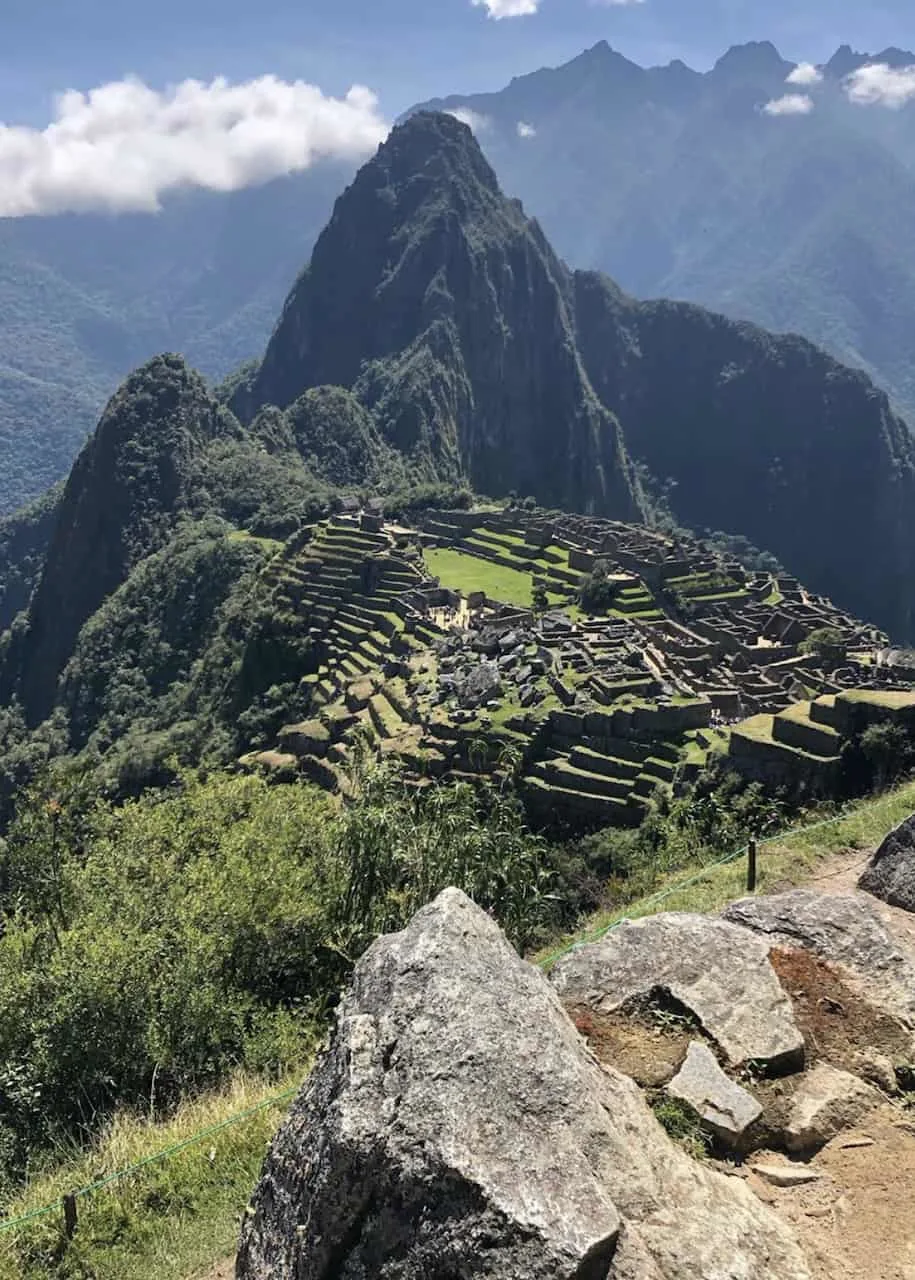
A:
[(845, 61), (758, 57)]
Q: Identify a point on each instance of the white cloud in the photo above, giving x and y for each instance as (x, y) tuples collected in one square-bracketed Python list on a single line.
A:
[(122, 146), (474, 120), (880, 85), (507, 8), (526, 130), (792, 104), (805, 73)]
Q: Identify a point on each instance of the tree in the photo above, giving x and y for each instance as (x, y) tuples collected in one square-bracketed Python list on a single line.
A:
[(826, 643), (597, 591), (539, 598)]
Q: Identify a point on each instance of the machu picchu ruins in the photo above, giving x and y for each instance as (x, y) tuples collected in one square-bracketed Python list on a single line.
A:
[(428, 648)]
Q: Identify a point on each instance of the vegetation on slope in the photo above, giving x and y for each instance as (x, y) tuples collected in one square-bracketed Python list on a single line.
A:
[(149, 950)]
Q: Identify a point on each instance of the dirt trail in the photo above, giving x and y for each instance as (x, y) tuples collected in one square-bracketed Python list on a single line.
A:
[(856, 1221)]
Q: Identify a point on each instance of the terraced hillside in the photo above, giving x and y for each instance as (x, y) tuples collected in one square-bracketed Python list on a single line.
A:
[(426, 646)]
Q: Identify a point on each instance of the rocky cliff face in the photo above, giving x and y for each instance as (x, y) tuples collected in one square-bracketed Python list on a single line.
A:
[(458, 1126), (119, 504), (766, 435), (443, 306)]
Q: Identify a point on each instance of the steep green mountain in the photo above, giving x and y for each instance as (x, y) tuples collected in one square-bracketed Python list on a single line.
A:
[(444, 309), (434, 339), (764, 435), (85, 298), (481, 357), (120, 503), (679, 185), (674, 182)]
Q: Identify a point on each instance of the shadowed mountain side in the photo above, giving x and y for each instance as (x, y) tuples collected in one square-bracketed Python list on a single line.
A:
[(444, 308)]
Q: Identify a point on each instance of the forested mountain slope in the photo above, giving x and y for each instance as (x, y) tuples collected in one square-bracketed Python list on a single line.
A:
[(434, 343)]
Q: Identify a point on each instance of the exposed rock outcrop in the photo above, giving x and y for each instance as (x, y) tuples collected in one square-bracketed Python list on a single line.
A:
[(826, 1102), (890, 874), (726, 1108), (720, 973), (458, 1126), (844, 929)]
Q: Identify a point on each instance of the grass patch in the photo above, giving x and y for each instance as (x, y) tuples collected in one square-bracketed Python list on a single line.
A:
[(167, 1221), (465, 573), (268, 544), (682, 1124)]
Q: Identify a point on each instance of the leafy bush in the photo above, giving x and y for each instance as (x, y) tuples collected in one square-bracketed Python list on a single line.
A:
[(596, 591), (149, 950)]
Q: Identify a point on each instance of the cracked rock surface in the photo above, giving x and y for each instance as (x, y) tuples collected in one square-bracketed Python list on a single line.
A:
[(458, 1126)]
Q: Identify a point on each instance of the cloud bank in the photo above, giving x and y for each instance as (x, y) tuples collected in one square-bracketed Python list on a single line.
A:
[(507, 8), (122, 146), (792, 104), (805, 73), (880, 85), (474, 120)]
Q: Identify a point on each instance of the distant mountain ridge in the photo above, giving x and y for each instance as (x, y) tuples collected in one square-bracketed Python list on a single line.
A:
[(669, 179), (677, 184)]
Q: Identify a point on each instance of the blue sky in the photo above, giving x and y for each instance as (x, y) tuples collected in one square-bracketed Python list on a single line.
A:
[(145, 115), (406, 50)]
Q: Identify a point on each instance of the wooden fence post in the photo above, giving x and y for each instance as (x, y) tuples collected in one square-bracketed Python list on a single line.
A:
[(70, 1216), (751, 866)]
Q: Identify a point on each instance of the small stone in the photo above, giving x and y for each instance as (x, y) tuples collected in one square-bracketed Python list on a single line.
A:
[(786, 1175), (726, 1108), (877, 1069), (826, 1102), (851, 1144)]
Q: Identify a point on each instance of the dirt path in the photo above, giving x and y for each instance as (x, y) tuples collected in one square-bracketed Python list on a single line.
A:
[(856, 1221)]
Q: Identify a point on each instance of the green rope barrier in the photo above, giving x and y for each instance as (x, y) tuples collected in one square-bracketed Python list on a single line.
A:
[(11, 1223)]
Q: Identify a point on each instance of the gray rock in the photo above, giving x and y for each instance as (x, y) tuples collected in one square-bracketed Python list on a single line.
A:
[(458, 1126), (825, 1102), (719, 972), (846, 930), (891, 873), (479, 685), (530, 696), (786, 1175), (721, 1104)]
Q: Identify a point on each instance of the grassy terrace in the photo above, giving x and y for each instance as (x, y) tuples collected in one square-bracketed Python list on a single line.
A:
[(465, 573), (897, 700)]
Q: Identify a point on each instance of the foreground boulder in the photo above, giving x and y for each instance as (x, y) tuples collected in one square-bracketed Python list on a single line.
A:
[(844, 929), (457, 1126), (720, 973), (890, 875)]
